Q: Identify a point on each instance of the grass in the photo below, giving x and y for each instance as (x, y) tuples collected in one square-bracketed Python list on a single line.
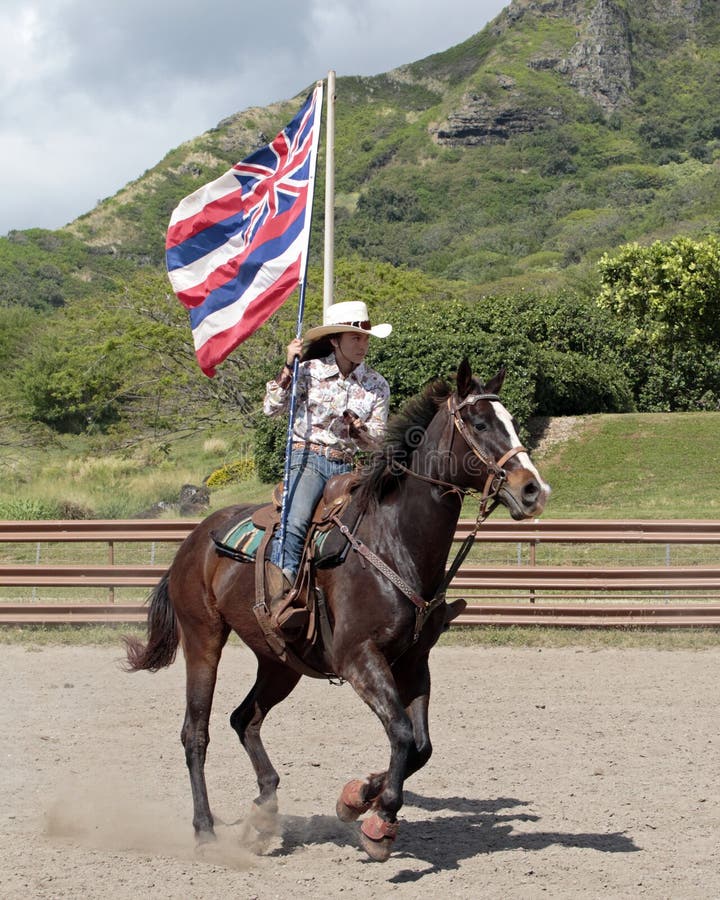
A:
[(35, 637), (585, 638), (102, 482), (634, 466)]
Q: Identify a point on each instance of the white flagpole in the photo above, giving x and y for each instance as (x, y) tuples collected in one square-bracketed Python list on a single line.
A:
[(329, 262), (298, 333)]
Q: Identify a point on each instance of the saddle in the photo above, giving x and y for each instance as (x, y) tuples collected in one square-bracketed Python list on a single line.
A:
[(293, 614)]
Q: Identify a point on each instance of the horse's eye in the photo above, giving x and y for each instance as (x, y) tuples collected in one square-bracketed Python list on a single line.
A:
[(479, 426)]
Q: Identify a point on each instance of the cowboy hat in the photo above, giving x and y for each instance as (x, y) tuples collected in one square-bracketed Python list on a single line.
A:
[(350, 315)]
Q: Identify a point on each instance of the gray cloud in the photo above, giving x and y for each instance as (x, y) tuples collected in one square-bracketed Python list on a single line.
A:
[(94, 92)]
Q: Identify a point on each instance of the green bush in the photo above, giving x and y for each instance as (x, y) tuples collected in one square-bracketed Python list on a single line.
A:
[(270, 443), (679, 380), (26, 509), (241, 470), (570, 384)]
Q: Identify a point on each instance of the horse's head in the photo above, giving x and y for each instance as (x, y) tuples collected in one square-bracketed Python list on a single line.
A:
[(487, 451)]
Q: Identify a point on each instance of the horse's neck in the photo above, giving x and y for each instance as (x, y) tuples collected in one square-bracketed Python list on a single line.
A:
[(431, 511), (433, 507), (430, 519)]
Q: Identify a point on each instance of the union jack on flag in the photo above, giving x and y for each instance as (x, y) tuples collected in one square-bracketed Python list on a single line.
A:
[(237, 247)]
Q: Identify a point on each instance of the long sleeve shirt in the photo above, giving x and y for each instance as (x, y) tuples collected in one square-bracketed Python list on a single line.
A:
[(323, 394)]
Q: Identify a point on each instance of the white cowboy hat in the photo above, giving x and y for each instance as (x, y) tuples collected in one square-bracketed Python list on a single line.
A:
[(350, 315)]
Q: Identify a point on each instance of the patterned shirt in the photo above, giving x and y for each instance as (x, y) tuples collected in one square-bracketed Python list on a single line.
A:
[(323, 394)]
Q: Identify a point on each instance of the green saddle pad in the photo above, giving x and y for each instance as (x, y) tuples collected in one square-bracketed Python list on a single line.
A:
[(240, 540)]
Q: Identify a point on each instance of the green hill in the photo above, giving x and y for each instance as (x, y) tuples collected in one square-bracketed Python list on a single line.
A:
[(633, 466), (647, 466), (476, 192), (558, 132)]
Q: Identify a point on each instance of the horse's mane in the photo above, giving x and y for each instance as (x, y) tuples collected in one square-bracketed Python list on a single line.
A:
[(404, 433)]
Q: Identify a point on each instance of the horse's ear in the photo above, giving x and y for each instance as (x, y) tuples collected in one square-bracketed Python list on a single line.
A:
[(493, 386), (464, 378)]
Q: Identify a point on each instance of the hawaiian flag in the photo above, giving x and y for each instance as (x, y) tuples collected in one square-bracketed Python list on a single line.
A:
[(237, 247)]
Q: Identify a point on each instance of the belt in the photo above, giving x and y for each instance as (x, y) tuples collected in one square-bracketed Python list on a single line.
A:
[(345, 456)]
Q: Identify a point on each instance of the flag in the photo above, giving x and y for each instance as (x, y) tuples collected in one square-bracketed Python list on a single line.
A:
[(237, 247)]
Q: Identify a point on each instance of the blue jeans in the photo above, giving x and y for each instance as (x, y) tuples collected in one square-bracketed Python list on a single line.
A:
[(309, 473)]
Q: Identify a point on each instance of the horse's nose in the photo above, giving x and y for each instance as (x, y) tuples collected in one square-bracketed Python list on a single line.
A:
[(534, 494)]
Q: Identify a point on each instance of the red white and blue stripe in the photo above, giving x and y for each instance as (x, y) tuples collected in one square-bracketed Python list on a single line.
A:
[(237, 247)]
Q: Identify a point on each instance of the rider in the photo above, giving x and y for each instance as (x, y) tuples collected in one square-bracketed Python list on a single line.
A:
[(341, 408)]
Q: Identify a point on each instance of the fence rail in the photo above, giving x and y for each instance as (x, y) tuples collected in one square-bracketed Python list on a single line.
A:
[(571, 595)]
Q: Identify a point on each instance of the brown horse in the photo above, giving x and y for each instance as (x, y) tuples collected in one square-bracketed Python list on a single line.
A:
[(445, 445)]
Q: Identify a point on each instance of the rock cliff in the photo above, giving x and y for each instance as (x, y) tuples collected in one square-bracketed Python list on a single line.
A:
[(598, 67)]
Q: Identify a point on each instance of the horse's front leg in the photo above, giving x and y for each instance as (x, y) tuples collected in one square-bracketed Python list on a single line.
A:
[(371, 677), (414, 685)]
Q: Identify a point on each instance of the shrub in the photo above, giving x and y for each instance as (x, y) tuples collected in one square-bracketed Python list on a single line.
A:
[(26, 509), (241, 470), (570, 384), (270, 443), (679, 380)]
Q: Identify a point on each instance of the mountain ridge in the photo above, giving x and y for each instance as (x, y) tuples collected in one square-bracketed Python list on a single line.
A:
[(547, 93)]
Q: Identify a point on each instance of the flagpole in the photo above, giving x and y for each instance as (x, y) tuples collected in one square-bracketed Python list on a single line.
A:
[(329, 260), (296, 361)]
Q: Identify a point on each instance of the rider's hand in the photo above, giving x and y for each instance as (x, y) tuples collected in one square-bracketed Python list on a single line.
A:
[(356, 427), (294, 348)]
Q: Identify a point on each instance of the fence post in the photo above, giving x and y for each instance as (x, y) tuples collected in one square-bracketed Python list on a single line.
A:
[(111, 560), (37, 563), (533, 561)]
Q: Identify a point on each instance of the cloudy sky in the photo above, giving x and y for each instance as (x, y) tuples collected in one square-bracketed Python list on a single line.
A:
[(95, 92)]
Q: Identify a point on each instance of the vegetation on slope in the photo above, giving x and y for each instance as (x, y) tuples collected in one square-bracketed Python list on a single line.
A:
[(488, 202)]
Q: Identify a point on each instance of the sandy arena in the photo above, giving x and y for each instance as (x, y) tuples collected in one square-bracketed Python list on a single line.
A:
[(559, 773)]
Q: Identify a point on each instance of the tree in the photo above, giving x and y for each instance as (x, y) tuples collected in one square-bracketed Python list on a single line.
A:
[(669, 293), (671, 289)]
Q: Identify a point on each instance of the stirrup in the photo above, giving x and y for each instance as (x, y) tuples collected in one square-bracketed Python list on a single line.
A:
[(287, 620), (292, 620)]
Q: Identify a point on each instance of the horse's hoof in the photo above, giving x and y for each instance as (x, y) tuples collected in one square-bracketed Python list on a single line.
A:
[(205, 837), (377, 837), (350, 803), (264, 817), (344, 812), (268, 804)]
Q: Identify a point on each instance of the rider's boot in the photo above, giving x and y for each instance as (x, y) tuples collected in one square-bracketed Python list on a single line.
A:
[(277, 583), (286, 618)]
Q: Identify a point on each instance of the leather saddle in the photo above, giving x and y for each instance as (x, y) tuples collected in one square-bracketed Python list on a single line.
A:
[(290, 613)]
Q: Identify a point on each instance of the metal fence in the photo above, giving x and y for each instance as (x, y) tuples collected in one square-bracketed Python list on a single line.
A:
[(580, 573)]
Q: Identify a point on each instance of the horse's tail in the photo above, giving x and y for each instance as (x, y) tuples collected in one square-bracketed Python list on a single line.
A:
[(162, 630)]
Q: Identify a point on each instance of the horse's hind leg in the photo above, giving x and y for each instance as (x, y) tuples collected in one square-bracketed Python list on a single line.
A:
[(274, 682), (202, 647)]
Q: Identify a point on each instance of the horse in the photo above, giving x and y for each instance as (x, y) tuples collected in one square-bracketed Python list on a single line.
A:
[(445, 444)]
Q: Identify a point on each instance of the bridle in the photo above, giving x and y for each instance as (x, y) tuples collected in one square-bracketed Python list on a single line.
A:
[(496, 477), (496, 474)]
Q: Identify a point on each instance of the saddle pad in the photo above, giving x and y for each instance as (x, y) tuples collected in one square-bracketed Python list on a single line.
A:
[(240, 540)]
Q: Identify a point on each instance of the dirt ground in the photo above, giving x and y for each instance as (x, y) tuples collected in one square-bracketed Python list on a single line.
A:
[(561, 773)]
